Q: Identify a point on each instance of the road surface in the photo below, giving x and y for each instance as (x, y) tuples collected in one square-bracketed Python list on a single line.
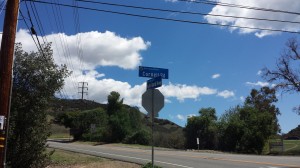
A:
[(181, 159)]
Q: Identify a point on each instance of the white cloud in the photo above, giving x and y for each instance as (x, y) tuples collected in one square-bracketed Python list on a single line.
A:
[(191, 115), (242, 98), (182, 92), (259, 83), (215, 76), (108, 49), (226, 94), (259, 72), (99, 49), (287, 5), (180, 117), (273, 85)]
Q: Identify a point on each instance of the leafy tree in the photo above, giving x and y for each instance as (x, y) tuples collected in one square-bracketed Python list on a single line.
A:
[(123, 120), (263, 100), (114, 103), (190, 131), (286, 74), (246, 129), (203, 127), (80, 123), (35, 79), (141, 137), (230, 129), (257, 128), (120, 126)]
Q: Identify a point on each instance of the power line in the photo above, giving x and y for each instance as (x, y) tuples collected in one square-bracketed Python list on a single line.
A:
[(29, 30), (38, 21), (186, 12), (66, 52), (3, 4), (33, 32), (169, 19), (209, 2)]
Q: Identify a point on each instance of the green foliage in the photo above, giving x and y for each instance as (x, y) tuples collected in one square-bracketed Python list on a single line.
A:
[(258, 127), (149, 165), (230, 129), (247, 129), (117, 123), (35, 79), (114, 103), (263, 100), (120, 126), (81, 122), (203, 127), (141, 137)]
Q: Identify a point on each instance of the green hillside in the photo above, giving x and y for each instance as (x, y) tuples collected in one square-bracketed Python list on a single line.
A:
[(166, 133), (294, 133)]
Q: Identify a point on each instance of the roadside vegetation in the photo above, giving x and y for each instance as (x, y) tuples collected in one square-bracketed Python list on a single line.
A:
[(246, 128), (65, 159)]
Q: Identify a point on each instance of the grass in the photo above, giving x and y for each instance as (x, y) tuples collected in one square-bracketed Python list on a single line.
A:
[(59, 131), (61, 157), (66, 159), (291, 147), (149, 165)]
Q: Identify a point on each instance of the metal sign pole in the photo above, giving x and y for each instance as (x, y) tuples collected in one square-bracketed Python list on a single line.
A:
[(152, 90)]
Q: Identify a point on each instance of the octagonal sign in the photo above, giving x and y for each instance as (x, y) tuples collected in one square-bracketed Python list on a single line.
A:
[(153, 101)]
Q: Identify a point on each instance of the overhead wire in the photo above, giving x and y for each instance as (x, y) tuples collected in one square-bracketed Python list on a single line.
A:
[(62, 92), (168, 19), (38, 21), (28, 27), (2, 5), (186, 12), (64, 45), (33, 32), (78, 37), (210, 2)]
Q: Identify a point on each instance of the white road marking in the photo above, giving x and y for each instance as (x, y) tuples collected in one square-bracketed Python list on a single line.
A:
[(83, 150)]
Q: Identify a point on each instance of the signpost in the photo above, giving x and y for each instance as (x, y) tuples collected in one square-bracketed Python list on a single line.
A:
[(153, 100)]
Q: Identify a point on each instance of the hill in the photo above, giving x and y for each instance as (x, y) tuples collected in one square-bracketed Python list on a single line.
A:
[(166, 133), (293, 134)]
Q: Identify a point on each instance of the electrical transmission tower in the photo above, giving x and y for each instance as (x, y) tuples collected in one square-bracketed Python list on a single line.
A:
[(83, 88)]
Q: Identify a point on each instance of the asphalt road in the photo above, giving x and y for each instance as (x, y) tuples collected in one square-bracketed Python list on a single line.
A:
[(182, 159)]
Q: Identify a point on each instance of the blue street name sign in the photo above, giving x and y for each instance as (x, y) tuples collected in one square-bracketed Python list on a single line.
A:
[(151, 72), (154, 83)]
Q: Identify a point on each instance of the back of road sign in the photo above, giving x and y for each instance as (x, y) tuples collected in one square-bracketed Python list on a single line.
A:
[(153, 101)]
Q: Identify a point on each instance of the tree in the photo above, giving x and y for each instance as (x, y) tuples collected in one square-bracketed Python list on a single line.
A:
[(203, 127), (247, 128), (114, 103), (263, 100), (257, 127), (35, 79), (230, 129), (286, 74), (80, 122)]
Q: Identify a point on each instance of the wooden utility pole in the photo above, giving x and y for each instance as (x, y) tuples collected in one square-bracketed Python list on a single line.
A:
[(6, 63)]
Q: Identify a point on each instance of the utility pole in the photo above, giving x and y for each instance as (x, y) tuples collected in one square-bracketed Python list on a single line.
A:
[(83, 88), (6, 63)]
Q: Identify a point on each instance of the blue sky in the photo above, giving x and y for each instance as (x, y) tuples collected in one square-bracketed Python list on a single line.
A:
[(209, 66)]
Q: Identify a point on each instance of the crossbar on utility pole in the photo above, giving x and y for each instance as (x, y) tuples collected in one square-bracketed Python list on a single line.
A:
[(83, 89), (6, 63)]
